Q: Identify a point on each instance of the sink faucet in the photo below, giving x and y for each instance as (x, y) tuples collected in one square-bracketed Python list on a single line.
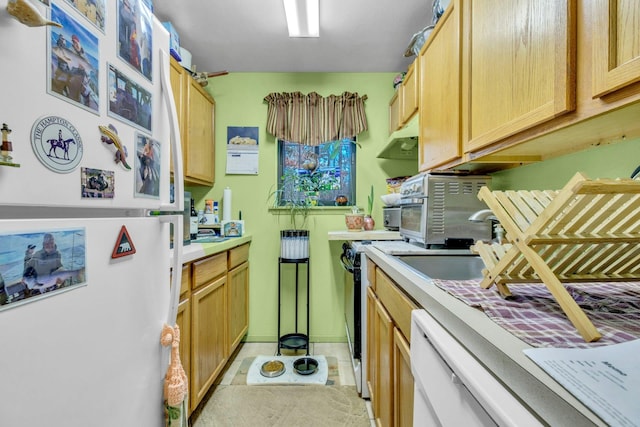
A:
[(483, 215), (488, 215)]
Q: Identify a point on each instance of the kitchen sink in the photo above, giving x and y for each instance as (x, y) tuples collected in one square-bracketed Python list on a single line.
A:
[(445, 267)]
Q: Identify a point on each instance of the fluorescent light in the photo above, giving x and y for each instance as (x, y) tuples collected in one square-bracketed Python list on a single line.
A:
[(303, 17)]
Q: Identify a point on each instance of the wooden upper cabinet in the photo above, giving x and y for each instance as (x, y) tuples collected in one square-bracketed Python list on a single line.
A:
[(195, 109), (410, 94), (518, 66), (394, 112), (616, 46), (439, 105), (199, 136), (177, 77)]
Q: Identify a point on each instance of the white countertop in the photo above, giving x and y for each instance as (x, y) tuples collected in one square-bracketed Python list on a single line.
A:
[(364, 235), (497, 349), (195, 251)]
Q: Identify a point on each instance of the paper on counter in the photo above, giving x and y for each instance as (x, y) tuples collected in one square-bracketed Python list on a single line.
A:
[(605, 379)]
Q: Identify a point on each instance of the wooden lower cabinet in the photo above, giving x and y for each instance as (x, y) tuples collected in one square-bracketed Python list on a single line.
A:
[(183, 321), (389, 376), (403, 384), (383, 327), (208, 337), (372, 357), (213, 316), (238, 304)]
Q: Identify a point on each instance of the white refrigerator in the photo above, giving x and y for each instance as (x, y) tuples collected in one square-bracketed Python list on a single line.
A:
[(85, 215)]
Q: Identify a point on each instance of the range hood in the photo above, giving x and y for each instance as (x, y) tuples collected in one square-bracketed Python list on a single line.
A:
[(403, 143)]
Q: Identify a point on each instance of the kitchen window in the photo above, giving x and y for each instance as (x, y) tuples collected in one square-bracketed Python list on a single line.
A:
[(318, 175)]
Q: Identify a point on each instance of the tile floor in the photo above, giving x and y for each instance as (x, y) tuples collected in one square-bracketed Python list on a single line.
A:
[(338, 350)]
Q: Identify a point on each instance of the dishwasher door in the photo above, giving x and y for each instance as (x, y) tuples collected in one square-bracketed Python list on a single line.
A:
[(452, 388)]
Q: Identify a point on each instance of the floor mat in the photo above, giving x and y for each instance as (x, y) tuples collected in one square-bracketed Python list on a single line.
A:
[(283, 406), (246, 375)]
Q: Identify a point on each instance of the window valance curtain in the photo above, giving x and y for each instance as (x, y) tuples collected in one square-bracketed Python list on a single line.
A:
[(312, 119)]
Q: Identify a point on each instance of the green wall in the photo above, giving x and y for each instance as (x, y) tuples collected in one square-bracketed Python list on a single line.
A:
[(239, 102), (617, 160)]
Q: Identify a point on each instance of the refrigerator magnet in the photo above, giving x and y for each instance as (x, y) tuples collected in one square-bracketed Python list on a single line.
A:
[(124, 245), (56, 143), (110, 137)]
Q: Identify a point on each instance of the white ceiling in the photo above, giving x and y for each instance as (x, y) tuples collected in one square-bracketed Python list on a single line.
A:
[(251, 35)]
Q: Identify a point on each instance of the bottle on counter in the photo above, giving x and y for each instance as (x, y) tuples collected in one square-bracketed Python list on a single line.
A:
[(216, 216), (193, 221)]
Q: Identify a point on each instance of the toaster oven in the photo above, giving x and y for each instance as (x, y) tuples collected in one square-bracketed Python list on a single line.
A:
[(435, 210)]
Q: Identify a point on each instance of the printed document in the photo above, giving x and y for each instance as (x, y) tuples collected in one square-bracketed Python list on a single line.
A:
[(605, 379)]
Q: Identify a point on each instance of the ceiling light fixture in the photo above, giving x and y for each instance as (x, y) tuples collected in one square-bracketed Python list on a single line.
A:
[(303, 17)]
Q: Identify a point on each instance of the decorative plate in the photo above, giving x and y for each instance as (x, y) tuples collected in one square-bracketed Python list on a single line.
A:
[(56, 143)]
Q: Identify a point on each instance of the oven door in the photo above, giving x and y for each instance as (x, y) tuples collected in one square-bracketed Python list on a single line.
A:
[(413, 222), (350, 261)]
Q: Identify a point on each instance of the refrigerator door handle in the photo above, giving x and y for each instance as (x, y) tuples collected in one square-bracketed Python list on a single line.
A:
[(176, 147), (176, 265)]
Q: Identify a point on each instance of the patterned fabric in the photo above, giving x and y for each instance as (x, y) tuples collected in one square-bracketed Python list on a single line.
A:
[(534, 316), (312, 119)]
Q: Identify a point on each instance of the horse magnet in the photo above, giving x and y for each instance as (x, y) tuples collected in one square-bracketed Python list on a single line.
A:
[(56, 143)]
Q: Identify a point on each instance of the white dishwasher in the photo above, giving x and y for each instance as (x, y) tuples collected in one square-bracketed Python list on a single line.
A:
[(454, 389)]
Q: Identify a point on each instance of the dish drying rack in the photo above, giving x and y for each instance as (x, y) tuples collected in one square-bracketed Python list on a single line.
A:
[(587, 232)]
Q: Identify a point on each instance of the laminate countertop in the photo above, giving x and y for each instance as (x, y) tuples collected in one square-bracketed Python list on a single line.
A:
[(497, 349), (364, 235), (204, 247)]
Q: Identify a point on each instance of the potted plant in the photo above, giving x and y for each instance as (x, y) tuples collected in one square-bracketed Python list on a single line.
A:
[(369, 223)]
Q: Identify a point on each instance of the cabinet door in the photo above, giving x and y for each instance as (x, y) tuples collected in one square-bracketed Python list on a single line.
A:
[(208, 337), (403, 383), (183, 321), (518, 66), (410, 93), (394, 112), (177, 78), (372, 356), (238, 304), (199, 163), (616, 51), (383, 409), (439, 103)]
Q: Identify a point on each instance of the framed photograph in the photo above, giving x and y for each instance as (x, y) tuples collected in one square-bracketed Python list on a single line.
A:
[(97, 183), (135, 35), (38, 264), (73, 62), (147, 167), (128, 101), (93, 10)]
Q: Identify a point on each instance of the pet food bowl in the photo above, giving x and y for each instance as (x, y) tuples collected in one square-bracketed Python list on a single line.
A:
[(272, 369), (305, 365)]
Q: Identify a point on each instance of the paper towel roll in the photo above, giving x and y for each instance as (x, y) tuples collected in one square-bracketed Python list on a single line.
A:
[(226, 204)]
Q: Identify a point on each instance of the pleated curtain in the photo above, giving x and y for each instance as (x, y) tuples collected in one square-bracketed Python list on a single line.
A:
[(313, 119)]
